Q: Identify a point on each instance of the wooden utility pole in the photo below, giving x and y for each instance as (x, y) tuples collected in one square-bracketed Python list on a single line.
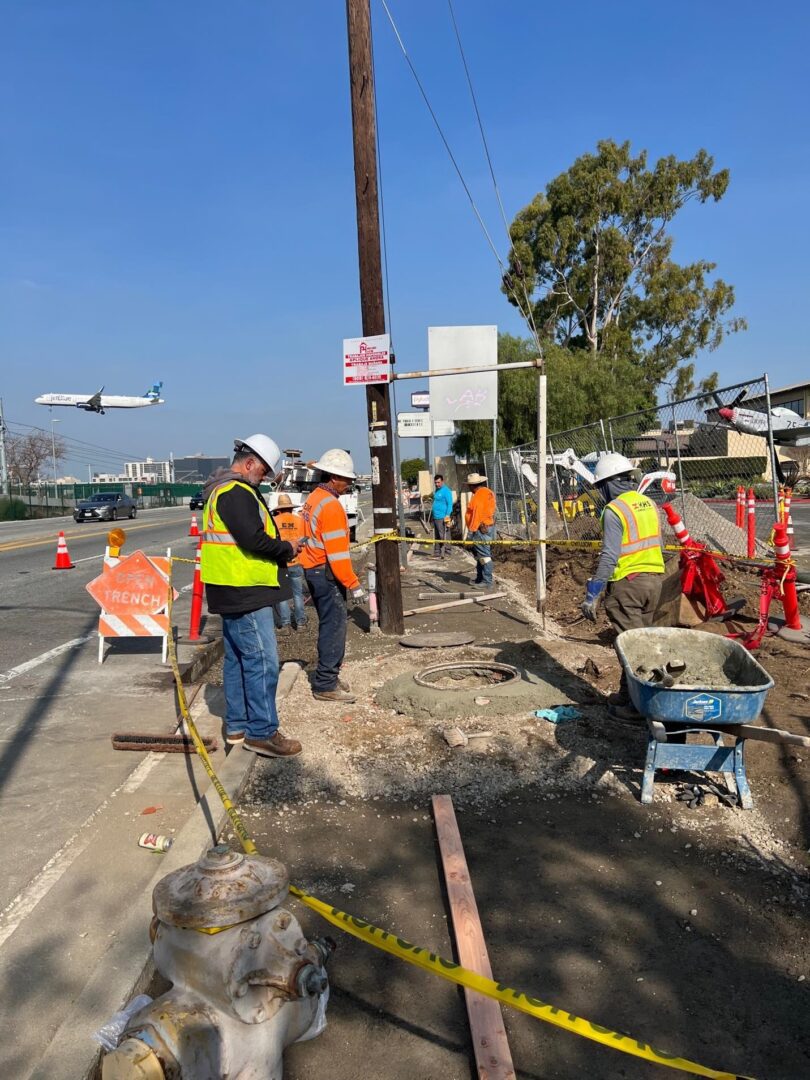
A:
[(383, 484)]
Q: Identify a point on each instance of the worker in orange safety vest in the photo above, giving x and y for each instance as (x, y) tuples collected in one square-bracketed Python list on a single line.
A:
[(328, 571), (290, 526), (480, 521)]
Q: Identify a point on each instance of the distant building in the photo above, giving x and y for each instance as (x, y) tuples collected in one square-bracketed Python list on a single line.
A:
[(106, 478), (149, 471), (796, 397), (196, 468)]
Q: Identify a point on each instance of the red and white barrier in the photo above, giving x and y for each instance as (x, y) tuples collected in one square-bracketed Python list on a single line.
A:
[(787, 577), (752, 524), (739, 520), (197, 590)]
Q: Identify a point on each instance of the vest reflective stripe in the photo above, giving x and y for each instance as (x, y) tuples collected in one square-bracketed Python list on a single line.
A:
[(334, 534), (222, 561), (338, 556), (641, 551)]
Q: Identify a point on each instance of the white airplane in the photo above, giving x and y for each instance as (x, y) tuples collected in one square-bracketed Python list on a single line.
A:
[(789, 429), (99, 401)]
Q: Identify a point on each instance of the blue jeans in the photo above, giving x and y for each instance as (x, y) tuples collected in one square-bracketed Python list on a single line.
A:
[(250, 673), (329, 599), (483, 553), (296, 576)]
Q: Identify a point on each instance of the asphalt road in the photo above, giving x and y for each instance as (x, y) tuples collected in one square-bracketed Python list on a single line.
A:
[(800, 512)]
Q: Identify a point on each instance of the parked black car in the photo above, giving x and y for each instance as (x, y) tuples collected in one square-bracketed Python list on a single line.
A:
[(105, 506), (196, 502)]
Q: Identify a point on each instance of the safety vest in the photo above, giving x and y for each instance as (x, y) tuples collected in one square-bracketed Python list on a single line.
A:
[(326, 529), (290, 527), (641, 535), (222, 561)]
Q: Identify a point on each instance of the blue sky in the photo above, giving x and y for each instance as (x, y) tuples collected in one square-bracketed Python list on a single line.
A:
[(177, 202)]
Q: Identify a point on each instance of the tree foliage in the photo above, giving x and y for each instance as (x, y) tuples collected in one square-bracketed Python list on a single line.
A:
[(594, 253), (28, 456), (410, 468)]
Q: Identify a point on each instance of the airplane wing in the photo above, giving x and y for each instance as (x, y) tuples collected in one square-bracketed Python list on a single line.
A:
[(788, 436), (94, 402)]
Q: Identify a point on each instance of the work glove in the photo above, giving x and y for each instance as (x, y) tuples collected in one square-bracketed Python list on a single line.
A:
[(593, 590), (358, 596)]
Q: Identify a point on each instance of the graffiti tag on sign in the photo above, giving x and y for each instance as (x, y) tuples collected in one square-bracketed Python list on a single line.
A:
[(467, 400)]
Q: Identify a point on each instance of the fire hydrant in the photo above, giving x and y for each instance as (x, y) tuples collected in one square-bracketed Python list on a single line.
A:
[(246, 982)]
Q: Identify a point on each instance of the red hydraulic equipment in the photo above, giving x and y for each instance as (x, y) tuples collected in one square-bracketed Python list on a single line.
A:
[(701, 577)]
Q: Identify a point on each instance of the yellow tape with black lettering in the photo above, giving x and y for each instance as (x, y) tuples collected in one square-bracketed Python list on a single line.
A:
[(428, 961), (515, 999)]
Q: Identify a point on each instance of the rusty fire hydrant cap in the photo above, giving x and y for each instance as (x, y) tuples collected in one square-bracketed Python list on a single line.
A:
[(224, 887)]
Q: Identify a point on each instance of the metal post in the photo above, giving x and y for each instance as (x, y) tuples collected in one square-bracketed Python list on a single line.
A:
[(5, 488), (540, 561), (680, 465), (432, 464), (612, 443), (771, 448), (560, 502), (604, 436), (403, 552)]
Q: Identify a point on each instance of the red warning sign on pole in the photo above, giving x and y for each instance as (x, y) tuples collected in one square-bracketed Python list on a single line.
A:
[(366, 360)]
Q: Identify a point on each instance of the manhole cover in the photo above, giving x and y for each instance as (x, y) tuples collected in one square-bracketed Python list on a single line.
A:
[(473, 675)]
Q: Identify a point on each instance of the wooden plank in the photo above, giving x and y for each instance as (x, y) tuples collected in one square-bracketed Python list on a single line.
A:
[(492, 1055), (761, 734), (455, 603)]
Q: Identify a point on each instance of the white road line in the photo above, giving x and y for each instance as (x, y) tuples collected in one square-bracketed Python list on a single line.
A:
[(23, 904), (21, 669), (88, 558)]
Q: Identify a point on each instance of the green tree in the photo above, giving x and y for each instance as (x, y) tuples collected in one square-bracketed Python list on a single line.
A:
[(594, 257), (410, 468)]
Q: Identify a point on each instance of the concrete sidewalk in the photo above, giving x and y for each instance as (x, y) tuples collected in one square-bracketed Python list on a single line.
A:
[(73, 808)]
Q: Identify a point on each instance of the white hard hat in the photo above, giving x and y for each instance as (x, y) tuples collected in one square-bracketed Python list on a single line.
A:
[(263, 447), (610, 465), (338, 463)]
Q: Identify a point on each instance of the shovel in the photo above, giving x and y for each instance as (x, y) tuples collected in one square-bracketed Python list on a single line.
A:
[(665, 676)]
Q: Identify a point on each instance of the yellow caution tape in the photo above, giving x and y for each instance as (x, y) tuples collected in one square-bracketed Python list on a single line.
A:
[(421, 957)]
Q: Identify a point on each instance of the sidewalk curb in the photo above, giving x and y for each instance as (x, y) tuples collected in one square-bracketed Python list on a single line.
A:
[(124, 970)]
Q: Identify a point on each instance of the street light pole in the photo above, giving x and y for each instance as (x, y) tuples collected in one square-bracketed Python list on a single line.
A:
[(53, 447)]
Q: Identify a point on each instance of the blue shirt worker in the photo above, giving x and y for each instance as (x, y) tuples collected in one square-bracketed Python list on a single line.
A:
[(631, 562), (242, 562), (442, 514)]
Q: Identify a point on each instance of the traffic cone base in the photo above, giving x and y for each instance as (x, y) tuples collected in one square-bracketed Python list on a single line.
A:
[(62, 557)]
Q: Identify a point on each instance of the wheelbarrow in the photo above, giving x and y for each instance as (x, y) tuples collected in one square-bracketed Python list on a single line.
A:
[(690, 683)]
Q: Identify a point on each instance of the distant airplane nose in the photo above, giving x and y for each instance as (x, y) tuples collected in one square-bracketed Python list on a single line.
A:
[(727, 414)]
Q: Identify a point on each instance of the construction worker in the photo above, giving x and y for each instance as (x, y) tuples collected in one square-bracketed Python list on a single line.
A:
[(442, 511), (631, 563), (480, 521), (291, 528), (241, 563), (328, 571)]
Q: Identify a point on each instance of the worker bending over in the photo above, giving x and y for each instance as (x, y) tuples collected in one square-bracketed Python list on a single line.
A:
[(631, 562), (291, 528), (480, 521), (329, 572)]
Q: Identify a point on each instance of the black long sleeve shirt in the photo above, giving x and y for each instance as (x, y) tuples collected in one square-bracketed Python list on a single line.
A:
[(239, 511)]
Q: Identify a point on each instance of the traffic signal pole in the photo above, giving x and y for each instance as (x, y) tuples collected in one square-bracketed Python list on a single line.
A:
[(381, 442)]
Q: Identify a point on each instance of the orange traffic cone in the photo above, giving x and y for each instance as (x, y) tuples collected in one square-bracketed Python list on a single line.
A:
[(193, 528), (62, 557)]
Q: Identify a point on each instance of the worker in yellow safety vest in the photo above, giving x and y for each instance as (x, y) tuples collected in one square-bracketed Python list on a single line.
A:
[(243, 564), (631, 562)]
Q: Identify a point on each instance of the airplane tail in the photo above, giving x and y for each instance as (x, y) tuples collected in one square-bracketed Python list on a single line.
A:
[(154, 393)]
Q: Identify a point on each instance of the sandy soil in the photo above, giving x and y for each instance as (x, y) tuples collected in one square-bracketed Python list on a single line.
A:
[(686, 928)]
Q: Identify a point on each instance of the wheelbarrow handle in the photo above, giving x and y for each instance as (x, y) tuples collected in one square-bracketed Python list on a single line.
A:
[(771, 735)]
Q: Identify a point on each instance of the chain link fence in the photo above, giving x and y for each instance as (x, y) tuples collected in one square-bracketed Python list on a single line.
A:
[(706, 454)]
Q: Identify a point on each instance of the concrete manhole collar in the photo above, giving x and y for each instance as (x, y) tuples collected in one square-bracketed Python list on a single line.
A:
[(466, 675)]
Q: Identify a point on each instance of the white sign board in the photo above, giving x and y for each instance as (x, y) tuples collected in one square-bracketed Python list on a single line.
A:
[(366, 360), (463, 397), (416, 425), (420, 399)]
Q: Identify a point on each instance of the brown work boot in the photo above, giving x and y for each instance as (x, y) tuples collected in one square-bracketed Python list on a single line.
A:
[(277, 745), (337, 694), (343, 685)]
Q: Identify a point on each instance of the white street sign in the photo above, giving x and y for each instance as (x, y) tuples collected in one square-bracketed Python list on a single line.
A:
[(420, 399), (416, 425), (366, 360), (473, 396)]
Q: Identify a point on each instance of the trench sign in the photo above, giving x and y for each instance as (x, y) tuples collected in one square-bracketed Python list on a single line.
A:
[(133, 595)]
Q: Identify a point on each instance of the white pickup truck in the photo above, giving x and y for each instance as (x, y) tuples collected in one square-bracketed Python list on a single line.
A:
[(298, 480)]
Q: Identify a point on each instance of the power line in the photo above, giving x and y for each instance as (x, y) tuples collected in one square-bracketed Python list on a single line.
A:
[(506, 278), (122, 454)]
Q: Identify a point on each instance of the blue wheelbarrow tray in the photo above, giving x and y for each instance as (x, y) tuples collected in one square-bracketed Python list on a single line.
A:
[(721, 684)]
